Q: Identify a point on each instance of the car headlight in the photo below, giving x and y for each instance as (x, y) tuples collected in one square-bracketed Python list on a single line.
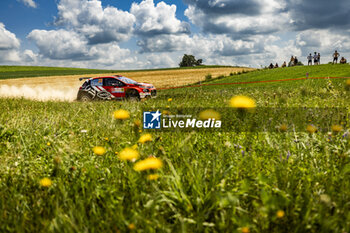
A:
[(145, 90)]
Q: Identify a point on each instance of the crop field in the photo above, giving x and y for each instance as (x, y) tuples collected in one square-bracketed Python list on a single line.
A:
[(68, 166), (160, 78), (11, 72)]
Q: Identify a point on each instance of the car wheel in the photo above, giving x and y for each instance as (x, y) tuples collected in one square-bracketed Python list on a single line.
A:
[(85, 98), (133, 95)]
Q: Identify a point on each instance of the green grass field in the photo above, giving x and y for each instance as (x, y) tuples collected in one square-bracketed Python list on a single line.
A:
[(10, 72), (210, 181)]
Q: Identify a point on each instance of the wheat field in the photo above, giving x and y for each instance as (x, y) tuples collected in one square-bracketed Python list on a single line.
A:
[(159, 78)]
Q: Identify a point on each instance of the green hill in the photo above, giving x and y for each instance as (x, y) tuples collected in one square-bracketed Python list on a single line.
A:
[(288, 73)]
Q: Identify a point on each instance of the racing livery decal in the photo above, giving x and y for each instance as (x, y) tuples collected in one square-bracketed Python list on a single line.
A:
[(118, 90)]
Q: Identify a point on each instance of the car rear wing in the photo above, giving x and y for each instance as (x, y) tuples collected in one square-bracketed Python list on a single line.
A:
[(83, 78)]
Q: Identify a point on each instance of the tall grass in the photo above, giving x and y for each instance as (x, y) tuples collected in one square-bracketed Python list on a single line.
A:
[(210, 182)]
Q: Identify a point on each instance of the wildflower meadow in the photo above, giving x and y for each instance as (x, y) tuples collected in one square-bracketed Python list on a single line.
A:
[(91, 167)]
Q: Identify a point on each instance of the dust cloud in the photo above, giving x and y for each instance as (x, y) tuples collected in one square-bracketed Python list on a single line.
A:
[(41, 93)]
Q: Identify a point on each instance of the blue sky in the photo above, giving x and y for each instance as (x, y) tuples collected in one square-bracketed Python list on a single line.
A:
[(152, 33)]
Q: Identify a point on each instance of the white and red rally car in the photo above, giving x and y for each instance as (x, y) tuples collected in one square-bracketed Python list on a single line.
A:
[(114, 87)]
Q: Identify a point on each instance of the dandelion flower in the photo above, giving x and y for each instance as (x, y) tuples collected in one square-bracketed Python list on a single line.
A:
[(337, 128), (283, 127), (311, 128), (134, 147), (48, 144), (242, 102), (99, 150), (209, 114), (121, 114), (129, 154), (145, 138), (149, 163), (348, 82), (131, 226), (153, 177), (170, 99), (45, 182), (245, 230), (280, 214)]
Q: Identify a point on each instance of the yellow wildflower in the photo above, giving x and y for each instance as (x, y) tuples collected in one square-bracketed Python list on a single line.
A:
[(170, 99), (107, 139), (121, 114), (149, 163), (209, 114), (131, 226), (311, 128), (48, 144), (280, 214), (245, 230), (348, 82), (242, 102), (283, 127), (145, 138), (129, 154), (337, 128), (153, 177), (45, 182), (99, 150)]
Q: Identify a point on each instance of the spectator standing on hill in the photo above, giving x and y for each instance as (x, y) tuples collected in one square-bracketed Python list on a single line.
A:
[(309, 60), (318, 58), (291, 63), (284, 64), (343, 61), (271, 66), (276, 66), (335, 57), (296, 61), (315, 58)]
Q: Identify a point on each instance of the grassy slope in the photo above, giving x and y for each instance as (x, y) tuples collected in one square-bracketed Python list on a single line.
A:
[(8, 72), (210, 182), (289, 73)]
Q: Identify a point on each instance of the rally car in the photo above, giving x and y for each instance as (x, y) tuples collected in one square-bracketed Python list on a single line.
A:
[(113, 88)]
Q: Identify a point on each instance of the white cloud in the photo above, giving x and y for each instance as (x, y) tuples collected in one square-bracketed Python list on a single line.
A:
[(160, 60), (60, 44), (9, 45), (217, 18), (157, 19), (29, 3), (69, 47), (97, 24)]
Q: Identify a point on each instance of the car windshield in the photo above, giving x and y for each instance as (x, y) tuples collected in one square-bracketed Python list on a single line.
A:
[(127, 80)]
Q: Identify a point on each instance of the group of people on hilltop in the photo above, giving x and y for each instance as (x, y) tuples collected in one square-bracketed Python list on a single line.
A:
[(336, 55), (293, 61), (316, 57)]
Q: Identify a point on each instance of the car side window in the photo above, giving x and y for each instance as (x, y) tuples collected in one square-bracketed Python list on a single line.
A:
[(97, 82), (113, 82)]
